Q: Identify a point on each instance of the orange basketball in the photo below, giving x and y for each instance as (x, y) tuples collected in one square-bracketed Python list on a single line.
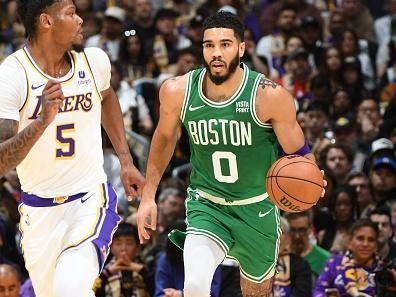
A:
[(294, 183)]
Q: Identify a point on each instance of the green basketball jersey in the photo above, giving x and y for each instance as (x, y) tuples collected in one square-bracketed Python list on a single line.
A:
[(231, 149)]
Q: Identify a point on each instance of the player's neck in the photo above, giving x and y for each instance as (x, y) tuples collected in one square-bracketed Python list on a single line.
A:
[(225, 90), (49, 58)]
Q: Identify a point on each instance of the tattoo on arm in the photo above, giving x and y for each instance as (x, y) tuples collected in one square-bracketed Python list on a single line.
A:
[(15, 146), (265, 82)]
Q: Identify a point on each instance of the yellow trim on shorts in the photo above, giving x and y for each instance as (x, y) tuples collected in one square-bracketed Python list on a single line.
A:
[(20, 227), (91, 233)]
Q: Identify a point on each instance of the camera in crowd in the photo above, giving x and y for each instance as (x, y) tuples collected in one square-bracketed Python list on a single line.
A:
[(385, 279)]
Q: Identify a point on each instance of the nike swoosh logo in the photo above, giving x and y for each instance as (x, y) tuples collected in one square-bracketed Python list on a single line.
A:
[(191, 108), (261, 215), (36, 87), (86, 198)]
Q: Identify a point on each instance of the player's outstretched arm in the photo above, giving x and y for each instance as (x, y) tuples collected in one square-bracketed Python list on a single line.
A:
[(112, 122), (162, 147), (15, 146)]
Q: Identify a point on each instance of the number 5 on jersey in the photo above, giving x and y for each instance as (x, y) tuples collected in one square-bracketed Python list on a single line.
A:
[(67, 144)]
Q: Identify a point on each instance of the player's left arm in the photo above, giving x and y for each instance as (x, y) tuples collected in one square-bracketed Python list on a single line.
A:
[(275, 104), (114, 126)]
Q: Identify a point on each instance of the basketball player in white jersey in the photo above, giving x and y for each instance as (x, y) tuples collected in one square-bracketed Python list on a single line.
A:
[(53, 101)]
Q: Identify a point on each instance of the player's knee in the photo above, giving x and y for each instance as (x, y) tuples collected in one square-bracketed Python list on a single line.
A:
[(193, 288)]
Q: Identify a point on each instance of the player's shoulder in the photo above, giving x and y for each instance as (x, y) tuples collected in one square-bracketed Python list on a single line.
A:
[(173, 90), (11, 60), (175, 85), (96, 55), (269, 88), (11, 66)]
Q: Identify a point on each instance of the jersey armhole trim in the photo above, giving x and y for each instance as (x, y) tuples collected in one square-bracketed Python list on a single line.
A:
[(186, 96), (253, 99), (92, 74), (21, 109)]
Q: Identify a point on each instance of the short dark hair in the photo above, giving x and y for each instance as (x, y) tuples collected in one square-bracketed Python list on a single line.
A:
[(363, 223), (126, 229), (223, 19), (382, 211), (29, 10), (296, 215)]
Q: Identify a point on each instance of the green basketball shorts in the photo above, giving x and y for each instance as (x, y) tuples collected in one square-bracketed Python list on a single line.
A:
[(248, 233)]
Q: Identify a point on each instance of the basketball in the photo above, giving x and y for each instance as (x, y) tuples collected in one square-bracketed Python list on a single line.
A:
[(294, 183)]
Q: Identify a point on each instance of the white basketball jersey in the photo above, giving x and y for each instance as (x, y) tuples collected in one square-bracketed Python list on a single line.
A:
[(68, 157)]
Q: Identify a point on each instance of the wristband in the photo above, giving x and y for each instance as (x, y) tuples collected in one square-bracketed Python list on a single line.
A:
[(301, 151)]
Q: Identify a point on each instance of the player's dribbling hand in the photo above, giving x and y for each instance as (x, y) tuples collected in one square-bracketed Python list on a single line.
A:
[(51, 102), (146, 218)]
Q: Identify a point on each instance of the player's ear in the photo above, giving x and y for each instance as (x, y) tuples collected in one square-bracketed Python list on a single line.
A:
[(45, 20), (242, 47)]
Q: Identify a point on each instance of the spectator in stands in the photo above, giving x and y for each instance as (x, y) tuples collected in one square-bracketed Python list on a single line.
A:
[(344, 129), (300, 230), (143, 23), (359, 18), (316, 114), (170, 208), (124, 275), (134, 59), (251, 58), (340, 105), (344, 211), (336, 24), (386, 248), (350, 46), (320, 89), (83, 6), (91, 25), (133, 106), (297, 81), (312, 34), (381, 147), (338, 159), (350, 273), (331, 67), (10, 282), (194, 32), (369, 120), (392, 208), (294, 276), (352, 79), (166, 41), (383, 179), (292, 42), (110, 38), (268, 16), (187, 60), (272, 46), (365, 200), (382, 25), (169, 272)]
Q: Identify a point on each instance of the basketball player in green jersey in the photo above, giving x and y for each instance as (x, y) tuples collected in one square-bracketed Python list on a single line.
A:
[(235, 118)]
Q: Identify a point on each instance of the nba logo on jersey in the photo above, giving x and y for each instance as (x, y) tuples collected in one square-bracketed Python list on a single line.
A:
[(81, 74)]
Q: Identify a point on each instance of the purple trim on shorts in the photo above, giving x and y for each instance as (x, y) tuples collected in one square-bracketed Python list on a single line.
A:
[(109, 226), (36, 201)]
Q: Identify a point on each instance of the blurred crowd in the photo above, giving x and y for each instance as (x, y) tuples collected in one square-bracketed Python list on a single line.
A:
[(337, 58)]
